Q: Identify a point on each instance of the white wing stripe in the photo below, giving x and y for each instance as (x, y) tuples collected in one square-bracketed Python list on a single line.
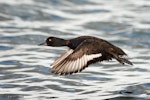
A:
[(80, 64), (77, 64), (64, 66), (90, 57), (73, 65)]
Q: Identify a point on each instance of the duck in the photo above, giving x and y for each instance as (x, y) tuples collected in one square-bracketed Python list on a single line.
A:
[(83, 51)]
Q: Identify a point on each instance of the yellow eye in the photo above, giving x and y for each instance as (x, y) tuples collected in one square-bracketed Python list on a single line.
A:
[(50, 39)]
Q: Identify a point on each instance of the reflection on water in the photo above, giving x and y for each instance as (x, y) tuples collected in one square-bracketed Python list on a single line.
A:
[(24, 66)]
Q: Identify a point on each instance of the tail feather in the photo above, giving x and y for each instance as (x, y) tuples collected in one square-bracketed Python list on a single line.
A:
[(121, 60), (126, 61)]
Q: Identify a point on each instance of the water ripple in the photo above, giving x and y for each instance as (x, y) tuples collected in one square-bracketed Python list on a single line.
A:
[(24, 66)]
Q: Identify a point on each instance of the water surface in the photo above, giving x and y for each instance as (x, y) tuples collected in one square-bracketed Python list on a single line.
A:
[(24, 66)]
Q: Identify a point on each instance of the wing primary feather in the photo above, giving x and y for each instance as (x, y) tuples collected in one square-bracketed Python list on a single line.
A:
[(70, 67), (59, 67), (80, 65), (63, 67), (62, 57), (66, 67), (73, 66)]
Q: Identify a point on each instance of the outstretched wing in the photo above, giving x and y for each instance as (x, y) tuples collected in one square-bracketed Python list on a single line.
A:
[(75, 60), (62, 57)]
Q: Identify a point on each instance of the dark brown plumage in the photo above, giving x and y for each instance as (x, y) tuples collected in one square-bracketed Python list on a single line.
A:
[(83, 50)]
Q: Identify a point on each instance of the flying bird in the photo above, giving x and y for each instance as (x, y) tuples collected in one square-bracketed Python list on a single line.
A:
[(83, 51)]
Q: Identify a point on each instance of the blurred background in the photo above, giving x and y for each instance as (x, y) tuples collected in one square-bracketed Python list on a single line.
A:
[(24, 66)]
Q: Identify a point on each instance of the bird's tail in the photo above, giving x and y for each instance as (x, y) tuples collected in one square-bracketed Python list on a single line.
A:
[(121, 60), (124, 60)]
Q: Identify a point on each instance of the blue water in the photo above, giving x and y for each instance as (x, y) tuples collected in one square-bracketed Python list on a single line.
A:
[(24, 66)]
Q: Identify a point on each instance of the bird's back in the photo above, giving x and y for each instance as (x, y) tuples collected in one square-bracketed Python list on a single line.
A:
[(77, 41)]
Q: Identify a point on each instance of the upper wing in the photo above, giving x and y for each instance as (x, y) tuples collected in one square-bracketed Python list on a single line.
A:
[(77, 60)]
